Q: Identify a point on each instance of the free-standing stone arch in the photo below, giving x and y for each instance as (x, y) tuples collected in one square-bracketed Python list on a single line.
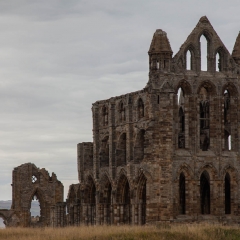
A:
[(30, 181)]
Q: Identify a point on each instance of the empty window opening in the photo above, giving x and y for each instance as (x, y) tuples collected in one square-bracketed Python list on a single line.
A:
[(164, 64), (34, 178), (180, 97), (229, 142), (158, 99), (227, 187), (204, 53), (182, 194), (189, 60), (218, 63), (181, 134), (157, 64), (35, 211), (205, 193)]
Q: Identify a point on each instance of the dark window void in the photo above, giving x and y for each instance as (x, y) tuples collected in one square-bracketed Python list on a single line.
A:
[(121, 151), (204, 120), (122, 114), (205, 193), (108, 202), (143, 199), (139, 146), (126, 204), (204, 53), (218, 63), (104, 116), (182, 194), (140, 108), (104, 152), (227, 194), (181, 119)]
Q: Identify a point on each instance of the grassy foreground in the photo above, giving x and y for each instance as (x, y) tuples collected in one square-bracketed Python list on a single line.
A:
[(168, 232)]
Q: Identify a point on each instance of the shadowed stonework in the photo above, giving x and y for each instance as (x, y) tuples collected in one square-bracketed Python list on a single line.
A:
[(169, 152)]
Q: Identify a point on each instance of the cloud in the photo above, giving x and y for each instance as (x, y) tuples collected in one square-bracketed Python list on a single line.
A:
[(58, 57)]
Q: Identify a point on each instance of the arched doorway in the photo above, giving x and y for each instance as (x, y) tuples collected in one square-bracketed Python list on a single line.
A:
[(2, 224), (205, 193), (227, 188), (35, 211)]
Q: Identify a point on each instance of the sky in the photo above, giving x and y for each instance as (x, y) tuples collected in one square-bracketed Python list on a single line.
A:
[(57, 57)]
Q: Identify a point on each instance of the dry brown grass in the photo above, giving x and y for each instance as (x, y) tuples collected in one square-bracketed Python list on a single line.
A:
[(159, 232)]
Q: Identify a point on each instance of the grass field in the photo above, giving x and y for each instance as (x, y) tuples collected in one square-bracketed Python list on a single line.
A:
[(168, 232)]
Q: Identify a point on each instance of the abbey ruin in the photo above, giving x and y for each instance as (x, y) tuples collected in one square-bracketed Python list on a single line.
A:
[(169, 152)]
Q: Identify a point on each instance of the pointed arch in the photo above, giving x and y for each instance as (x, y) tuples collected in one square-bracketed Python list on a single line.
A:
[(231, 88), (204, 47), (142, 198), (185, 86), (209, 86), (220, 56), (190, 57), (124, 199)]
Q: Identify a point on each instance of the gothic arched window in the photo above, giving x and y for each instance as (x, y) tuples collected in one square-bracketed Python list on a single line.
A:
[(182, 194)]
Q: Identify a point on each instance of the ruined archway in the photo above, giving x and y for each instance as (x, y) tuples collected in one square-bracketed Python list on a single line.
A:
[(31, 182)]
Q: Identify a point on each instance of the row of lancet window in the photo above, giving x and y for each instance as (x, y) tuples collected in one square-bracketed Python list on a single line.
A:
[(121, 151), (205, 196), (122, 112), (105, 201), (204, 44), (204, 120)]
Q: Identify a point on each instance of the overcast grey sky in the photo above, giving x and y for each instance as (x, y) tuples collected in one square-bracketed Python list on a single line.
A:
[(57, 57)]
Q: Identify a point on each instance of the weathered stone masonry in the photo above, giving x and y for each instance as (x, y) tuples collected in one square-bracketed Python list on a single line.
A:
[(169, 152)]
